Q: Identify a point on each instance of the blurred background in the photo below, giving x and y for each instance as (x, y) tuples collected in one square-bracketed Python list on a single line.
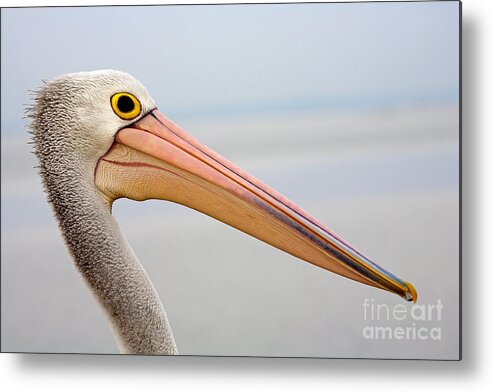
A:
[(350, 110)]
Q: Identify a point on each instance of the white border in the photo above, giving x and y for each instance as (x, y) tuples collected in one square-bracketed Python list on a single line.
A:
[(86, 373)]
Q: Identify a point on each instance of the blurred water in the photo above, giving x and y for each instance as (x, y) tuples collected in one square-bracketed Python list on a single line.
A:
[(228, 294)]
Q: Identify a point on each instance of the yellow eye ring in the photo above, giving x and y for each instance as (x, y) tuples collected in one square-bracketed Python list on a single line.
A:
[(126, 106)]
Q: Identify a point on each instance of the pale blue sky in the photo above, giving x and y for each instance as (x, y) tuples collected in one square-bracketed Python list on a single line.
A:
[(218, 60)]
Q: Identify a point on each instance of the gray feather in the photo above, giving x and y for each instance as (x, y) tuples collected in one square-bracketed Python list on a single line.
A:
[(72, 127)]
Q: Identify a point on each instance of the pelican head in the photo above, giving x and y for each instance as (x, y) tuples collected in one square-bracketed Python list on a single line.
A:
[(75, 116), (100, 134)]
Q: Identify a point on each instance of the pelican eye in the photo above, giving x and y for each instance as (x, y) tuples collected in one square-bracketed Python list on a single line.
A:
[(125, 106)]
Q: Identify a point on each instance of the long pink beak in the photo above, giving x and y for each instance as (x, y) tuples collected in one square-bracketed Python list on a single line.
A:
[(160, 160)]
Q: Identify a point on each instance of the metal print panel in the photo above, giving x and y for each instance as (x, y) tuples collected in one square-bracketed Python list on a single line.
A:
[(124, 232)]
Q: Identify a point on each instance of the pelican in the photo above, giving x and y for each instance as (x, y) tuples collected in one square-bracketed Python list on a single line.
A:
[(99, 137)]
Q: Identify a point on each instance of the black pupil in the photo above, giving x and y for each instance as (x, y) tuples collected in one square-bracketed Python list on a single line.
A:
[(125, 104)]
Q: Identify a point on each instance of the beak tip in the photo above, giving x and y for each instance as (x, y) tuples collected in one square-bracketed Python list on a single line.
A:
[(411, 294)]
